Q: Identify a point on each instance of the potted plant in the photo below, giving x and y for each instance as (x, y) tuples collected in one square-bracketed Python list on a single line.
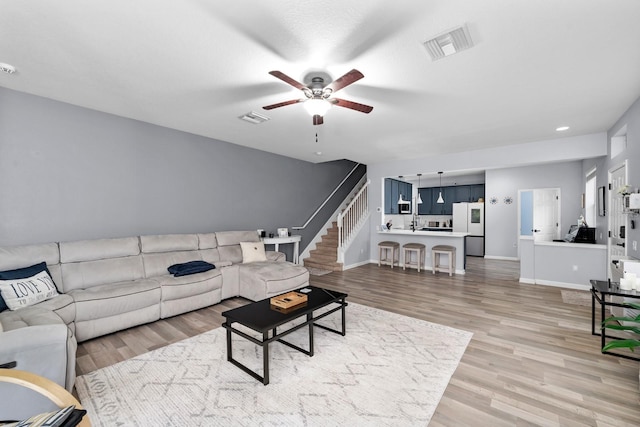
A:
[(627, 324)]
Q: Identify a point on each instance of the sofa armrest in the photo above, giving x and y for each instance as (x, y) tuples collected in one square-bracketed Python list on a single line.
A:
[(220, 264), (275, 256), (43, 350)]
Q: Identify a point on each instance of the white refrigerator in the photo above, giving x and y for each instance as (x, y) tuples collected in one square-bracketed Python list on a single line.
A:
[(469, 218)]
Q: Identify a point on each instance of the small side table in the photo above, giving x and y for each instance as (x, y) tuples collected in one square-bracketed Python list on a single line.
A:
[(277, 241), (600, 290)]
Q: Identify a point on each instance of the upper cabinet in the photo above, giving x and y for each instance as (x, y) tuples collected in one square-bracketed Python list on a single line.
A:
[(451, 195), (392, 191)]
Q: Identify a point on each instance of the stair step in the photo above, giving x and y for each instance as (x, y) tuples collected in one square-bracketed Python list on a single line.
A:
[(328, 242), (324, 250), (323, 258)]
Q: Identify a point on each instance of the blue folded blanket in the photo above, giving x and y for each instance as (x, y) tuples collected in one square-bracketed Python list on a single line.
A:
[(191, 267)]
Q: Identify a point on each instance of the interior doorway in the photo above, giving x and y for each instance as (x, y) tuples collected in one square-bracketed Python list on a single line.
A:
[(539, 214)]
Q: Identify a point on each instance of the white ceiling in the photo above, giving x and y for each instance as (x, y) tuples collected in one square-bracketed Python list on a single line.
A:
[(198, 65)]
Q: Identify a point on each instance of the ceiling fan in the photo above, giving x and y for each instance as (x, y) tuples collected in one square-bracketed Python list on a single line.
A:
[(318, 95)]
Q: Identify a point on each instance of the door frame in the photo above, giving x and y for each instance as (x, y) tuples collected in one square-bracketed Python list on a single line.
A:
[(624, 164), (519, 222)]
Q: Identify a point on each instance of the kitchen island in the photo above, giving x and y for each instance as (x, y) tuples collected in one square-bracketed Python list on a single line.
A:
[(429, 239)]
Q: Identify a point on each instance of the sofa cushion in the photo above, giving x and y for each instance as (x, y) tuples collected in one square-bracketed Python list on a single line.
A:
[(156, 264), (207, 241), (81, 275), (228, 238), (186, 286), (13, 257), (169, 243), (115, 298), (259, 280), (229, 244), (91, 250), (29, 316), (62, 305), (21, 293)]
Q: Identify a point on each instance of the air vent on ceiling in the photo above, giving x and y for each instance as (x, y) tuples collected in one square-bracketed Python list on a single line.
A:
[(447, 44), (255, 118)]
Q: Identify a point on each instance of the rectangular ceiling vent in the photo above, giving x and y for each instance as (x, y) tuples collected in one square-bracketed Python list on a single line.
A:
[(255, 118), (447, 44)]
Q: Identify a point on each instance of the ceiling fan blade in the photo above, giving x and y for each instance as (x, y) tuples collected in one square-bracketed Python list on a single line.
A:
[(352, 105), (317, 119), (341, 82), (282, 76), (282, 104)]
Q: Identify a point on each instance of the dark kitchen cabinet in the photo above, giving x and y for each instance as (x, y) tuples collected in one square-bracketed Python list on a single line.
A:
[(476, 192), (426, 195), (392, 191), (451, 195)]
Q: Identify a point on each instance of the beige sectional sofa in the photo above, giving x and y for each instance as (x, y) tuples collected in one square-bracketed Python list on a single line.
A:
[(107, 285)]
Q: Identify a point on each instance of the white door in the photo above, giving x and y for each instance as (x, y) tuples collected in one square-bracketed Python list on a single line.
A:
[(546, 214), (617, 219)]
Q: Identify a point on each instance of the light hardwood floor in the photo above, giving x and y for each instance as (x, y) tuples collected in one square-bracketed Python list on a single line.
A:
[(532, 359)]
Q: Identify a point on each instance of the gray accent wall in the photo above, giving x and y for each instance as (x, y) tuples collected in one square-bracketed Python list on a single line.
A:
[(70, 173)]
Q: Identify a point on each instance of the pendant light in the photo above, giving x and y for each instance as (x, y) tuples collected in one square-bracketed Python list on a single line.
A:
[(419, 200), (440, 199)]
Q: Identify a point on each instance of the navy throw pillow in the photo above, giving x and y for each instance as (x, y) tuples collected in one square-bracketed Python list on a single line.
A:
[(191, 267), (22, 273)]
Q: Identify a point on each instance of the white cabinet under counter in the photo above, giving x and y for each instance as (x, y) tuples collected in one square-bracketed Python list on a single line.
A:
[(567, 265), (429, 239)]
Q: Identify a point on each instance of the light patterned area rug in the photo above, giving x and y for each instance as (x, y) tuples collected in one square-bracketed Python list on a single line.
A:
[(388, 370), (582, 298)]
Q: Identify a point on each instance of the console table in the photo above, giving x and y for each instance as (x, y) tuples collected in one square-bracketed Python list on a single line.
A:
[(277, 241), (600, 290)]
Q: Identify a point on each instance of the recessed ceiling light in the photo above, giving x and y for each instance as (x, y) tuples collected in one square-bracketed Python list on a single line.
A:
[(318, 153), (7, 68), (562, 128)]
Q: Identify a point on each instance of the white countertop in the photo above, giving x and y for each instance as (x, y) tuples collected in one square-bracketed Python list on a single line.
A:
[(572, 245), (425, 233)]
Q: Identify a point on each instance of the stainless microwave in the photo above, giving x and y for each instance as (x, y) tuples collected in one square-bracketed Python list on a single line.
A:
[(404, 208)]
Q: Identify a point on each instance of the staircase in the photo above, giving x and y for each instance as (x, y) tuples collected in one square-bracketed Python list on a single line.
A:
[(329, 252), (325, 254)]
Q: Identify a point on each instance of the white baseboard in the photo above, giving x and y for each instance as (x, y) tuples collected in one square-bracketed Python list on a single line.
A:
[(576, 286), (503, 258), (528, 281), (357, 264)]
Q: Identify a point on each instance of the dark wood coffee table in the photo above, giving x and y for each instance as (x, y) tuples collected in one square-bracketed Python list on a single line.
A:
[(261, 317)]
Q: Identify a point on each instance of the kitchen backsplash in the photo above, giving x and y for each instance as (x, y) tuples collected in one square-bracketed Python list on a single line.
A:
[(403, 222)]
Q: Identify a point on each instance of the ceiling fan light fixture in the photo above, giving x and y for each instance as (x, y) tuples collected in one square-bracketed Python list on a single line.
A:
[(317, 107)]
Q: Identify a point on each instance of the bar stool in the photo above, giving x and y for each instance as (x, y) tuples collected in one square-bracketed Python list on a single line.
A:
[(408, 249), (384, 248), (450, 251)]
